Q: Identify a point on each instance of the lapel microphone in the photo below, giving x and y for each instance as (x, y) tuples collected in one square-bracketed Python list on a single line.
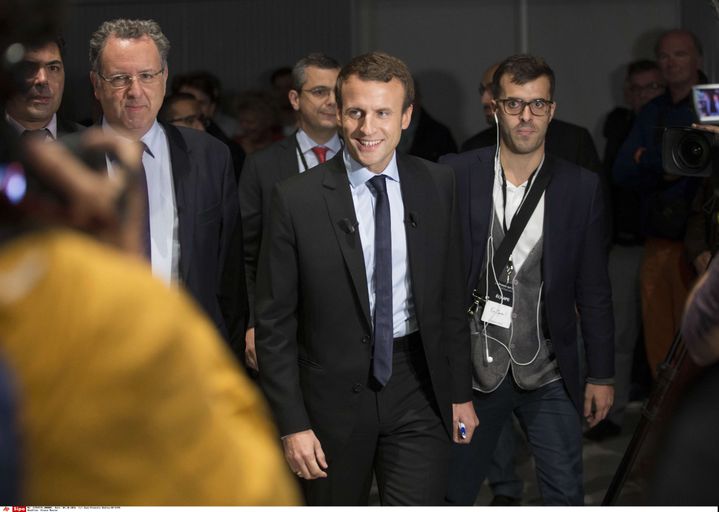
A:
[(412, 219), (347, 225)]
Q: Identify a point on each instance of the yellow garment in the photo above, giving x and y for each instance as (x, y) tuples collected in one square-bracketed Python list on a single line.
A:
[(126, 394)]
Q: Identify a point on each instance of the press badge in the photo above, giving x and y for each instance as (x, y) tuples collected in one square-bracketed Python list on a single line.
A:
[(498, 308)]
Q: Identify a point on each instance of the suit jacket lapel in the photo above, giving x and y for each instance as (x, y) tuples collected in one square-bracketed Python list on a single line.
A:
[(340, 208), (183, 181), (481, 182), (555, 217), (287, 165), (418, 195)]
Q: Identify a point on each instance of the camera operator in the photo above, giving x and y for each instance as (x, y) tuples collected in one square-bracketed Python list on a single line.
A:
[(665, 200)]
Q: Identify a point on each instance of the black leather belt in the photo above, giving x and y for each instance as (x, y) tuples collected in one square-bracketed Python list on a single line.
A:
[(407, 343)]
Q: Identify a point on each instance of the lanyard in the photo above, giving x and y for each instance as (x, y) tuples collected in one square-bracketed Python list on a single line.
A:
[(302, 156), (299, 151)]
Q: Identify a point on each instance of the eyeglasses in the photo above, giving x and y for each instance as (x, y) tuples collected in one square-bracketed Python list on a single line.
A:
[(515, 106), (319, 92), (190, 120), (121, 81)]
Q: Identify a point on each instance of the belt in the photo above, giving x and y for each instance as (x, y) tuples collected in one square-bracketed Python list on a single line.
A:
[(407, 343)]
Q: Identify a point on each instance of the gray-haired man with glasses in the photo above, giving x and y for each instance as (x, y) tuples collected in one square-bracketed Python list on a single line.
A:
[(546, 216), (193, 229), (313, 99)]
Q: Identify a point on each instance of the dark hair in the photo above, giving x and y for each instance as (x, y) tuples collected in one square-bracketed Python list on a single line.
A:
[(277, 73), (377, 67), (202, 80), (692, 36), (317, 60), (127, 29), (170, 101), (58, 40), (640, 66), (522, 68)]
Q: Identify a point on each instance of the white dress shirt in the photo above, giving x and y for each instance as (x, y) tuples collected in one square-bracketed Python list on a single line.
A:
[(515, 195), (403, 309), (50, 126), (164, 241)]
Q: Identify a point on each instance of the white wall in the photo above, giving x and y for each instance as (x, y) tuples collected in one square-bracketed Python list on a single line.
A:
[(448, 45)]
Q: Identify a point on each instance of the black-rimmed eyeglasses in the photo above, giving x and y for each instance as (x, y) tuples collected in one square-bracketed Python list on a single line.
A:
[(515, 106)]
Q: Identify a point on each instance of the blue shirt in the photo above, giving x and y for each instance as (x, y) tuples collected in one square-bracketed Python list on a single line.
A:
[(403, 309)]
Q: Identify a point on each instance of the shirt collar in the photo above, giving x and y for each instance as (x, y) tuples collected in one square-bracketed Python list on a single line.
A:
[(359, 175), (152, 138), (306, 143), (51, 126)]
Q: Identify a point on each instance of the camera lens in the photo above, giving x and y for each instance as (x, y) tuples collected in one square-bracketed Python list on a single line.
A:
[(693, 151)]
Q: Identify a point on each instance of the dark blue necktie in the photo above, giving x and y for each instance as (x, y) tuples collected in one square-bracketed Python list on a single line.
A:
[(146, 199), (383, 324)]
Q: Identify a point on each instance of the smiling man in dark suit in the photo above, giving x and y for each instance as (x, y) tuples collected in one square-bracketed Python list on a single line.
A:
[(193, 230), (361, 334), (524, 349)]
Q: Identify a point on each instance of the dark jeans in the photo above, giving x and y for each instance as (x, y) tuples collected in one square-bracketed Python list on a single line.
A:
[(554, 433)]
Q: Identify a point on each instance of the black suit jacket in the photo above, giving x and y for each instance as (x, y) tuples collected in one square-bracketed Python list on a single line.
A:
[(574, 258), (66, 127), (261, 172), (313, 320), (209, 229)]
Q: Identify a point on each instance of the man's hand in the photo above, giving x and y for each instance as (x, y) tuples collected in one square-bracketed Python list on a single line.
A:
[(638, 155), (701, 262), (463, 414), (110, 209), (304, 455), (250, 354), (598, 399)]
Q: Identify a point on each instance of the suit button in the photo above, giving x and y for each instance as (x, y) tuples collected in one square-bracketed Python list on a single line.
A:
[(357, 388), (365, 339)]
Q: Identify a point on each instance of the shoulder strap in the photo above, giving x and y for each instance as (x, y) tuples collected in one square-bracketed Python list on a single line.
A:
[(504, 251)]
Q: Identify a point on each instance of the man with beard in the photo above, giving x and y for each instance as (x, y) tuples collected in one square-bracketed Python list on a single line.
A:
[(524, 345)]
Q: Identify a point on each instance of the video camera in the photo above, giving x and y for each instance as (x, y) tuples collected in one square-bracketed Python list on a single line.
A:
[(690, 152)]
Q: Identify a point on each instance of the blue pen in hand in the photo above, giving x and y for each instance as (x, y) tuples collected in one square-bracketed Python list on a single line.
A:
[(462, 430)]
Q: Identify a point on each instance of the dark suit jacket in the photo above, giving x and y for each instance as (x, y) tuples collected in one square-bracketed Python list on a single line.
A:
[(574, 258), (313, 319), (66, 127), (261, 172), (209, 231)]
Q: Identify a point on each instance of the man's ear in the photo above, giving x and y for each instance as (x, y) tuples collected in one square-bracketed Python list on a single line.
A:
[(94, 81), (294, 97), (407, 116)]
